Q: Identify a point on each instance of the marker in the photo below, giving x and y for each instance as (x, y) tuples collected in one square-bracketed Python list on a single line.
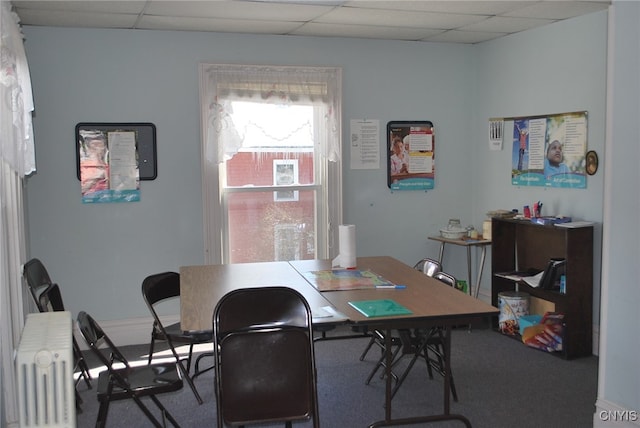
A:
[(396, 287)]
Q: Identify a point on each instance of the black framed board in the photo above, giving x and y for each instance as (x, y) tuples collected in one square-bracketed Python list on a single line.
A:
[(145, 141), (410, 155)]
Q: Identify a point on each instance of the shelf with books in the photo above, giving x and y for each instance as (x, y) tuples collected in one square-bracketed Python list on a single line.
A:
[(523, 247)]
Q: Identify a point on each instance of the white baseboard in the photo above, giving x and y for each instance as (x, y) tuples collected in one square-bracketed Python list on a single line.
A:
[(132, 331), (609, 415)]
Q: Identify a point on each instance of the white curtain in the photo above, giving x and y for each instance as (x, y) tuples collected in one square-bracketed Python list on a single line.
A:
[(318, 86), (16, 160)]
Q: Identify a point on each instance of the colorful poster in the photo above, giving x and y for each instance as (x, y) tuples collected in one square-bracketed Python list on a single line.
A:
[(410, 159), (550, 151), (108, 166)]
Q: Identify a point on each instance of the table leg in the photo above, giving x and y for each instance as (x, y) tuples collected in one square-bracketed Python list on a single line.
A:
[(469, 270), (388, 357), (483, 255), (441, 253), (446, 415)]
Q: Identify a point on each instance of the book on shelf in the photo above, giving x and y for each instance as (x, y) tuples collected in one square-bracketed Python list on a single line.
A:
[(379, 308)]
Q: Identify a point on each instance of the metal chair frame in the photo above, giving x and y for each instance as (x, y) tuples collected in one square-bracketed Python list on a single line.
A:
[(127, 382), (275, 380), (162, 287), (47, 297)]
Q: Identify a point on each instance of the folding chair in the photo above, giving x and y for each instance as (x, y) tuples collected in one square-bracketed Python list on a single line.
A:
[(421, 343), (47, 297), (121, 381), (427, 266), (265, 364), (163, 287)]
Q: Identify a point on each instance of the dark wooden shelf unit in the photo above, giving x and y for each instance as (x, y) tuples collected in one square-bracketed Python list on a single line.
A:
[(519, 245)]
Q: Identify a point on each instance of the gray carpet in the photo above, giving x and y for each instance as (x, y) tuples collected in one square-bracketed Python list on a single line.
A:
[(501, 384)]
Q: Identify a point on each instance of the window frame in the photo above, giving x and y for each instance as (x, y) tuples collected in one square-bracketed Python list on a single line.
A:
[(329, 194)]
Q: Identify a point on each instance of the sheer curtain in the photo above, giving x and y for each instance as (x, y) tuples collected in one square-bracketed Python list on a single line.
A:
[(272, 84), (223, 84), (16, 161)]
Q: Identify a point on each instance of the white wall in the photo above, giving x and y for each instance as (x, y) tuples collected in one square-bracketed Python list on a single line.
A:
[(100, 253), (552, 69), (618, 381)]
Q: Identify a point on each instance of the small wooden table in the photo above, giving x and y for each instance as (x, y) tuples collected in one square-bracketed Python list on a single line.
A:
[(468, 243)]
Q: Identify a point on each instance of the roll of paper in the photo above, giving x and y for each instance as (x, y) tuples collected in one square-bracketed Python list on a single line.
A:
[(347, 247)]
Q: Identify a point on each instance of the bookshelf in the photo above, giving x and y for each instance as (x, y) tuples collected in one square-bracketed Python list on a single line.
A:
[(520, 245)]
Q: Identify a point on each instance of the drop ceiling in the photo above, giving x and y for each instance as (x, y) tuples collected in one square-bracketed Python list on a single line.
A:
[(450, 21)]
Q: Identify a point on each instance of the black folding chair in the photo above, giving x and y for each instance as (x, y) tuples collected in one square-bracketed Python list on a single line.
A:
[(163, 287), (427, 344), (47, 297), (429, 267), (121, 381), (265, 364)]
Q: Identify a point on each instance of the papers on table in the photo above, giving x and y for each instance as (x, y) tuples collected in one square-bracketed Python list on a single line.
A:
[(345, 279)]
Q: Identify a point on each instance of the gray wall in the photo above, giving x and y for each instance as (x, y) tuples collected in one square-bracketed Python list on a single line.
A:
[(619, 383), (101, 253)]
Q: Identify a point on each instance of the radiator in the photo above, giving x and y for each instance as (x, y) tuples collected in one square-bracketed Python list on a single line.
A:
[(44, 368)]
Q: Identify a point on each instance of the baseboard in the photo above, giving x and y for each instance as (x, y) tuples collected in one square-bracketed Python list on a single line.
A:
[(132, 331), (609, 415)]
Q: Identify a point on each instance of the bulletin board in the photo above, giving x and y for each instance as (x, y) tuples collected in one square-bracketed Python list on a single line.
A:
[(410, 155), (550, 151), (145, 135)]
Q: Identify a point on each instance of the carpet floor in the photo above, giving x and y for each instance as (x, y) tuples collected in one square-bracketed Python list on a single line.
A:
[(501, 383)]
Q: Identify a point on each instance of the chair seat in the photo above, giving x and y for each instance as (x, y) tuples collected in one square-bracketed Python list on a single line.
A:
[(153, 379), (177, 335)]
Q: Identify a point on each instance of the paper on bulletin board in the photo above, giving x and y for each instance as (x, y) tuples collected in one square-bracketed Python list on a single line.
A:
[(365, 144), (108, 166)]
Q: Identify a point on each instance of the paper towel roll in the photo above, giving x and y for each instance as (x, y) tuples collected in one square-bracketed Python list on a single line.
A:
[(347, 247)]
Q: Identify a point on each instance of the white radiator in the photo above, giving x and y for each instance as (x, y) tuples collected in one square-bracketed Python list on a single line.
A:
[(44, 368)]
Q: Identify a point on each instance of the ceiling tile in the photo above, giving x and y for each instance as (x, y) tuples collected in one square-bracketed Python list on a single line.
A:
[(230, 9), (500, 24), (478, 7), (363, 31), (467, 37), (383, 17), (215, 24), (558, 9), (77, 19), (115, 7)]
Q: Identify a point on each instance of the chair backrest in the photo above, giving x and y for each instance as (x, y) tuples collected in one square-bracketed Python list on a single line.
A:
[(95, 337), (160, 286), (50, 300), (446, 278), (37, 278), (157, 288), (428, 266), (265, 363)]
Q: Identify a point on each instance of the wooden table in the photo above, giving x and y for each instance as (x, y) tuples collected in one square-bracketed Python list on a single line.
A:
[(468, 243), (201, 287), (431, 303)]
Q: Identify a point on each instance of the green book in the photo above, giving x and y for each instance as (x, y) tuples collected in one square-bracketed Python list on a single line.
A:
[(379, 308)]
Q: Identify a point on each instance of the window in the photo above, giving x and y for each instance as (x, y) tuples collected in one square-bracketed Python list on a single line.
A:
[(271, 162), (285, 173)]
